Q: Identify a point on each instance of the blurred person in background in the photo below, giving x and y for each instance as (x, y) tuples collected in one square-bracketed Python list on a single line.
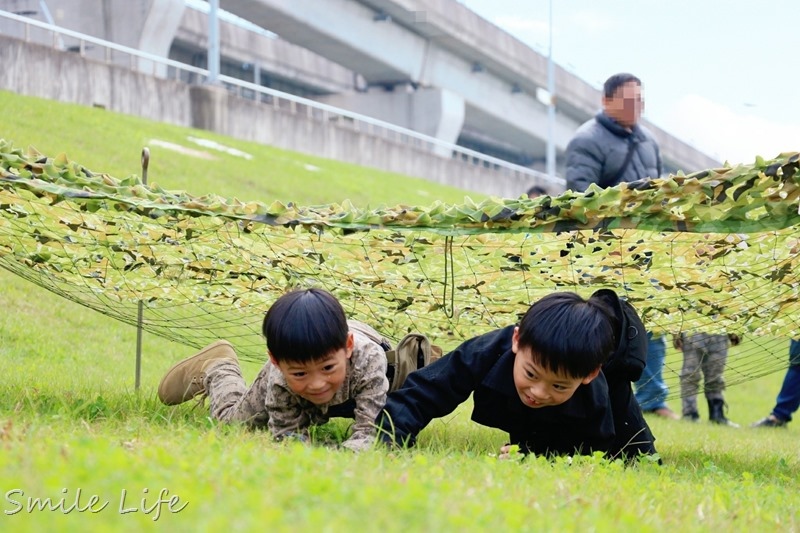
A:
[(704, 354), (788, 399)]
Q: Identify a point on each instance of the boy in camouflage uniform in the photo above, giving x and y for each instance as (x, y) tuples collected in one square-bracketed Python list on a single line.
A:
[(319, 368)]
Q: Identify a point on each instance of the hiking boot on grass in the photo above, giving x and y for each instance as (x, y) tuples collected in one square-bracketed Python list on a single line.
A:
[(771, 421), (716, 413), (185, 379), (694, 416)]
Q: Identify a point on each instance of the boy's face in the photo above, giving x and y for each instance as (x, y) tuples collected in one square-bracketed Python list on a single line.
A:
[(538, 386), (317, 381)]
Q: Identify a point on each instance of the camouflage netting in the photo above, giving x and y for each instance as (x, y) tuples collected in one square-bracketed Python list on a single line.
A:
[(717, 250)]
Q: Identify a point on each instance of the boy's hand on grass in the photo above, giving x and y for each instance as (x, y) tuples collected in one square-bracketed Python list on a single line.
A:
[(294, 437), (509, 451)]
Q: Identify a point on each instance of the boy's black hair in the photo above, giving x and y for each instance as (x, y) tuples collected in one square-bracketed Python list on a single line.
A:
[(614, 82), (536, 190), (568, 334), (305, 325)]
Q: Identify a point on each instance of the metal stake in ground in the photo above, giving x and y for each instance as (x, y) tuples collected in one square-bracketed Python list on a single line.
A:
[(145, 163)]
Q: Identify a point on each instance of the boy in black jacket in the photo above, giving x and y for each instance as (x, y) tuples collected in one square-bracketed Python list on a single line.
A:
[(559, 383)]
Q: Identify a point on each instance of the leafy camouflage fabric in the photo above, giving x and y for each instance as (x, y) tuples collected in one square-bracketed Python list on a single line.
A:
[(709, 251)]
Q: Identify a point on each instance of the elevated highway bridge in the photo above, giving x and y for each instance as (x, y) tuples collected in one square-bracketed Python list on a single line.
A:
[(432, 66), (444, 70)]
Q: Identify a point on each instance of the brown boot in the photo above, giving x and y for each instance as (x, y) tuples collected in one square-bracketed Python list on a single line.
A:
[(185, 379)]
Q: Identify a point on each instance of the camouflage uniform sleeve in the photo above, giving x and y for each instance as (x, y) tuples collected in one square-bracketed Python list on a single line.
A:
[(369, 392), (286, 415)]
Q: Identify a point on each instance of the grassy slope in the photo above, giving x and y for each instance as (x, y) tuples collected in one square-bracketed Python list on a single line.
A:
[(69, 418), (112, 143)]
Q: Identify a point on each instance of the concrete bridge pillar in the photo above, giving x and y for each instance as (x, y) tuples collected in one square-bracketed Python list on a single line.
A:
[(435, 112), (147, 25), (209, 107)]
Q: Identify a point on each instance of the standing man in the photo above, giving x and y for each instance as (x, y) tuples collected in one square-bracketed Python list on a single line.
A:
[(612, 147), (705, 354), (788, 400), (608, 149), (651, 391)]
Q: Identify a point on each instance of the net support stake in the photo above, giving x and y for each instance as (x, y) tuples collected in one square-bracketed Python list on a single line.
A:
[(140, 313)]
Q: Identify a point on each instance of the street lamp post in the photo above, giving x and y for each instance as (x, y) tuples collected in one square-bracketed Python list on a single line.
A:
[(213, 42), (551, 108)]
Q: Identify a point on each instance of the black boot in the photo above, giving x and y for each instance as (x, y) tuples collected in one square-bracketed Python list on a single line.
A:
[(692, 416), (716, 413)]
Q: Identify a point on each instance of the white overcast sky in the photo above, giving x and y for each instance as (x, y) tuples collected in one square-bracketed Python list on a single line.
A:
[(722, 75)]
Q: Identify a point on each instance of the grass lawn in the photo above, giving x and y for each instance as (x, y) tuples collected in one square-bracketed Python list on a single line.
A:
[(73, 429)]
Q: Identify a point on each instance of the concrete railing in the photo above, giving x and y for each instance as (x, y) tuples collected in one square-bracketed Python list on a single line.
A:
[(150, 64)]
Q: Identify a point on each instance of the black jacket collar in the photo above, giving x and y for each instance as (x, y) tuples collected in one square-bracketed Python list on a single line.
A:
[(613, 126)]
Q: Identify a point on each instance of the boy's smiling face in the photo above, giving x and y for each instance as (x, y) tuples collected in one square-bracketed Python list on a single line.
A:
[(318, 381), (538, 386)]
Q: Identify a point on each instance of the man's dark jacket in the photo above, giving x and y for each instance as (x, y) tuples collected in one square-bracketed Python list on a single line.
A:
[(601, 416), (598, 150)]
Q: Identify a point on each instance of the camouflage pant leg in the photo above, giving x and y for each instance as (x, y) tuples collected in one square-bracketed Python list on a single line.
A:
[(714, 366), (690, 374), (231, 400)]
